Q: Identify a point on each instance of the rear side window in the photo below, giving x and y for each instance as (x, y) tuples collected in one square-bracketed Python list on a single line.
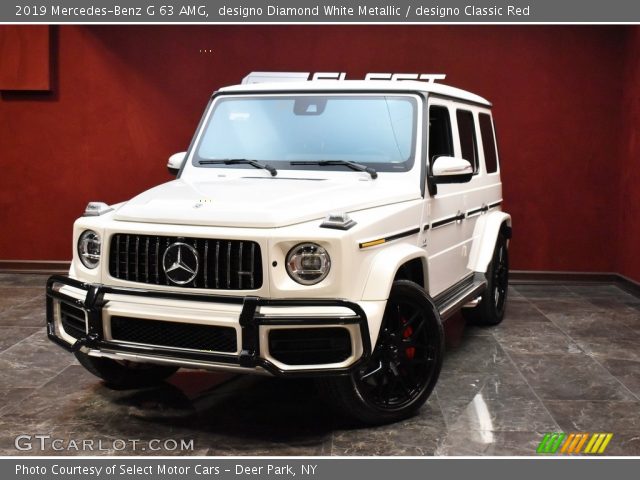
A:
[(468, 142), (440, 138), (488, 143)]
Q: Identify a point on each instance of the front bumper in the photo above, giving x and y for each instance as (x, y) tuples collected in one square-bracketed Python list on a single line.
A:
[(253, 326)]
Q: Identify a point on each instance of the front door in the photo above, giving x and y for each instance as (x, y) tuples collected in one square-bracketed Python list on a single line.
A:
[(448, 234)]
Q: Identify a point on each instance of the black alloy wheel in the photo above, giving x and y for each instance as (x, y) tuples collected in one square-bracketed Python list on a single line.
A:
[(404, 367), (501, 276), (492, 307)]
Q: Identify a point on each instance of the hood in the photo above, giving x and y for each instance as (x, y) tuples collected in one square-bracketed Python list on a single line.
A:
[(259, 202)]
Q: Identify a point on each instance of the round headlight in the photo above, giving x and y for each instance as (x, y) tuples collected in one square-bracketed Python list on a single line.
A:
[(89, 249), (308, 263)]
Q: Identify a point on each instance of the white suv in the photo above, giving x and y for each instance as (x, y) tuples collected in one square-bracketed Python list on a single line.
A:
[(321, 227)]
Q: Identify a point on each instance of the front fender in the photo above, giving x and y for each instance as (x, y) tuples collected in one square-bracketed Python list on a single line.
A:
[(484, 239), (385, 266)]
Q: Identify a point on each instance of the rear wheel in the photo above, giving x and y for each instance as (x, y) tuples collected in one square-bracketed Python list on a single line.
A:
[(491, 309), (123, 374), (404, 367)]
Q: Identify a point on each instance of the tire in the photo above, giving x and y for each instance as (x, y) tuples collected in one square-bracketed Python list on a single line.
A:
[(125, 375), (404, 367), (491, 309)]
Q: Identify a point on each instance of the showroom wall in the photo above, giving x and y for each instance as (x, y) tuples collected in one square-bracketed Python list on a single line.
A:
[(629, 195), (125, 97)]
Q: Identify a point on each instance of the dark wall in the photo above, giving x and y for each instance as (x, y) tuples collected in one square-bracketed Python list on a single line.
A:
[(126, 97)]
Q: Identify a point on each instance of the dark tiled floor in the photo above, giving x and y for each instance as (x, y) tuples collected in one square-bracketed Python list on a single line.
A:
[(566, 358)]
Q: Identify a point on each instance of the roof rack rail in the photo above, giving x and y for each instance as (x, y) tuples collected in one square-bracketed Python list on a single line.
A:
[(270, 77)]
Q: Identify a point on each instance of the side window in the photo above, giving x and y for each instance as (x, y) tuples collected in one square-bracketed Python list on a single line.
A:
[(468, 142), (488, 143), (440, 139)]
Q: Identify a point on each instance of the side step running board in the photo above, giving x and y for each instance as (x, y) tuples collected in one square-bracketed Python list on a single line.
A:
[(453, 299)]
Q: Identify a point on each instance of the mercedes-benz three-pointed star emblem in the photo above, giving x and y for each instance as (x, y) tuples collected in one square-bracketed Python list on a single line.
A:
[(180, 263)]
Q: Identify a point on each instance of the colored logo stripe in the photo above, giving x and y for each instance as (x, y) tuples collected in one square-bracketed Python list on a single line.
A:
[(558, 442), (550, 443), (598, 442), (569, 441), (578, 443)]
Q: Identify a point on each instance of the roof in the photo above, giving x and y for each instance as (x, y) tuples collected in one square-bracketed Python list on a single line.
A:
[(360, 85)]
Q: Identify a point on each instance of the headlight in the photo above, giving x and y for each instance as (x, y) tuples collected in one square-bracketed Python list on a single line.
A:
[(89, 249), (308, 263)]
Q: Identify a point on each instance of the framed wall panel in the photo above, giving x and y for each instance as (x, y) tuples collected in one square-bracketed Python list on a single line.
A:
[(25, 58)]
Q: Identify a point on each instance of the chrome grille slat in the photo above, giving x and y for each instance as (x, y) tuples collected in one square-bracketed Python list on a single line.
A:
[(126, 257), (218, 264), (195, 280), (253, 259), (146, 262), (167, 243), (157, 260), (223, 264), (228, 264), (206, 264)]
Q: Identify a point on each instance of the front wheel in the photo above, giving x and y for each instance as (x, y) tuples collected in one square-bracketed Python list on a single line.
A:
[(404, 367)]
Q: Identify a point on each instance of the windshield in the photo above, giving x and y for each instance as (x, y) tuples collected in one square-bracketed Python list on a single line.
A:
[(373, 130)]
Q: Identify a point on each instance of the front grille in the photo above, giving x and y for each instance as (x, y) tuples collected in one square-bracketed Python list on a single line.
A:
[(223, 264), (73, 320), (173, 334), (310, 346)]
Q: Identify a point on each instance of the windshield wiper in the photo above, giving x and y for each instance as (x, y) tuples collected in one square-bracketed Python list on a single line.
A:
[(241, 161), (352, 165)]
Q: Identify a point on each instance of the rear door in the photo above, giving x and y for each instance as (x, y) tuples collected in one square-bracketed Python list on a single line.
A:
[(485, 192)]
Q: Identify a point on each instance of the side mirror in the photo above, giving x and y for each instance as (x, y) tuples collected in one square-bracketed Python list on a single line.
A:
[(451, 170), (175, 162)]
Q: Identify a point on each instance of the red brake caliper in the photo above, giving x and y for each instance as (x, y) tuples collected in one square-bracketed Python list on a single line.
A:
[(410, 352)]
